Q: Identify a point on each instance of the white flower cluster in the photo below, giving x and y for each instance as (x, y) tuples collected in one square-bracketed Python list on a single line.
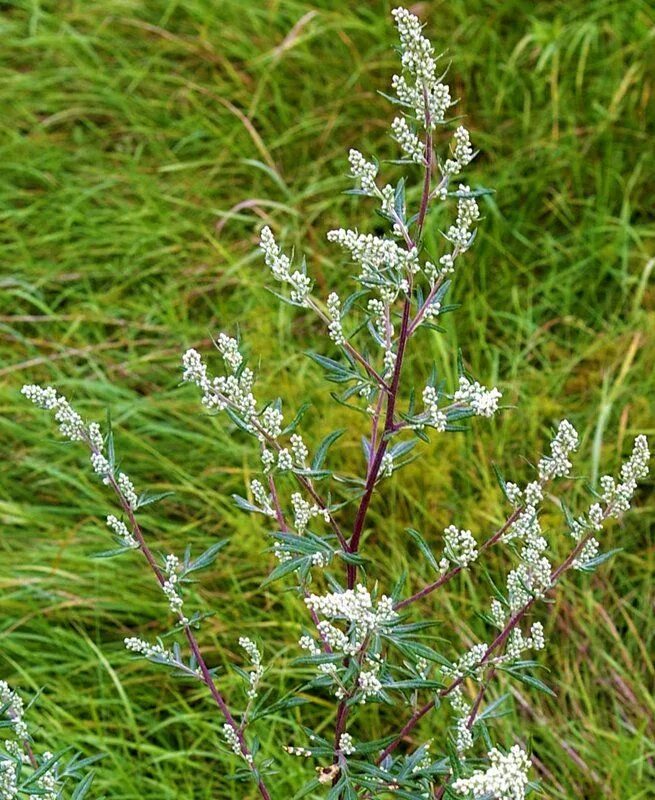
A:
[(461, 547), (505, 779), (433, 415), (557, 465), (257, 671), (354, 607), (335, 329), (346, 744), (462, 709), (409, 142), (121, 531), (171, 587), (368, 682), (386, 465), (14, 709), (482, 401), (48, 782), (376, 255), (262, 497), (233, 390), (280, 266), (460, 234), (517, 643), (469, 663), (364, 171), (8, 780), (531, 578), (299, 450), (424, 92), (298, 751), (71, 425), (154, 651), (127, 490), (232, 738), (462, 154), (616, 496), (303, 512)]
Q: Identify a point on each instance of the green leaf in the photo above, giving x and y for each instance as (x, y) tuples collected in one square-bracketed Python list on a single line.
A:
[(284, 569), (291, 427), (206, 559), (83, 787), (147, 498), (423, 547), (324, 446), (591, 565)]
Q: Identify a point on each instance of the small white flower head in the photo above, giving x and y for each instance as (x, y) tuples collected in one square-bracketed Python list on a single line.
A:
[(482, 401), (356, 609), (461, 547), (95, 437), (505, 779), (557, 465), (302, 512), (447, 264), (537, 638), (364, 171), (469, 663), (347, 744), (119, 528)]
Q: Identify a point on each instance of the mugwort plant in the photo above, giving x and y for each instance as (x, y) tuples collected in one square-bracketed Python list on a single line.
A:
[(365, 643)]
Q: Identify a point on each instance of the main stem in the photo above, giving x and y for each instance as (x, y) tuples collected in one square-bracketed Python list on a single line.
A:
[(392, 395)]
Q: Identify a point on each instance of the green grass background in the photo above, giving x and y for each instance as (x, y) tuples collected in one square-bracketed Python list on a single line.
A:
[(142, 145)]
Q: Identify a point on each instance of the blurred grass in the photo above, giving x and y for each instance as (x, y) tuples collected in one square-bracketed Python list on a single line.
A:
[(142, 145)]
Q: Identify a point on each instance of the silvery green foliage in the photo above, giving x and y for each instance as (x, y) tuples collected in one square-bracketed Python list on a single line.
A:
[(24, 772), (365, 643)]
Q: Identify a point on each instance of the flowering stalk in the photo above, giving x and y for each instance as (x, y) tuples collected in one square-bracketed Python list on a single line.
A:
[(72, 427)]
